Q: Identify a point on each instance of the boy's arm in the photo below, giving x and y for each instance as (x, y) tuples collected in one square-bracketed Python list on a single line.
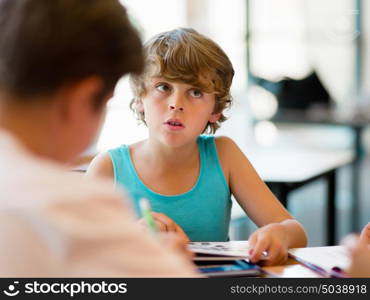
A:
[(101, 165), (254, 196)]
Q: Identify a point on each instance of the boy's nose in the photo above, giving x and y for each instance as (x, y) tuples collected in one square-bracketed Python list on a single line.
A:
[(176, 107), (176, 101)]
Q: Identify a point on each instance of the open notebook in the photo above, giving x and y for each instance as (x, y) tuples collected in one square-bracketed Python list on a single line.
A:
[(220, 250), (326, 261)]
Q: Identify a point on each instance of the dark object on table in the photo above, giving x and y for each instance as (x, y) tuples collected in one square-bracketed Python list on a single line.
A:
[(297, 93)]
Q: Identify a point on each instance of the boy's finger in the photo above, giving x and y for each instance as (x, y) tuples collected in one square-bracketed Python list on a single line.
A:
[(276, 254), (164, 220), (261, 246), (182, 233), (161, 226), (252, 243), (350, 240), (273, 256), (365, 234), (170, 224)]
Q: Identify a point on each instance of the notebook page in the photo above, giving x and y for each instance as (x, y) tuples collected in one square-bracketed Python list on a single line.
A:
[(325, 257)]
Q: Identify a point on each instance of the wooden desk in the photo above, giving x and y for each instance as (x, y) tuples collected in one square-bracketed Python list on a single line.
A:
[(285, 170), (291, 270), (357, 122)]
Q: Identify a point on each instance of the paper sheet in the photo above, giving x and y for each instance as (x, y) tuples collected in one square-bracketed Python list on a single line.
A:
[(325, 257)]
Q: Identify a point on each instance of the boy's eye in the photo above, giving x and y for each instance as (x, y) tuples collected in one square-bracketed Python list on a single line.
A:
[(196, 93), (163, 87)]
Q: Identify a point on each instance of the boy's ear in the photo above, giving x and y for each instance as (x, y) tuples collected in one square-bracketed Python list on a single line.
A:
[(214, 117), (139, 106), (78, 97)]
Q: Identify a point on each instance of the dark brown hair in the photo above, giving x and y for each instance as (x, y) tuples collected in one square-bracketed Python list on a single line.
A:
[(47, 43), (184, 55)]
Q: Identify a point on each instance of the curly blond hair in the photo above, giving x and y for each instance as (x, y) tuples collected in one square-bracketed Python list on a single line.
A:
[(184, 55)]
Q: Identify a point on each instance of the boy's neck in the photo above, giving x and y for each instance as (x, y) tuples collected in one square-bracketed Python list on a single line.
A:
[(172, 157)]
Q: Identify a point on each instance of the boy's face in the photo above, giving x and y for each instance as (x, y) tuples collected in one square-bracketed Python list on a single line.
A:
[(176, 112)]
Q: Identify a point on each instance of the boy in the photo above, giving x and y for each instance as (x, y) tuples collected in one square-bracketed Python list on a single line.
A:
[(59, 63), (189, 177)]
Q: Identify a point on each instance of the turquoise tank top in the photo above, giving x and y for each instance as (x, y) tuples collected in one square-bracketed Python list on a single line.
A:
[(203, 212)]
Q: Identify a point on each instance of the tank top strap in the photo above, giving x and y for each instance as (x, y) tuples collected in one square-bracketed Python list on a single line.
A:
[(212, 170)]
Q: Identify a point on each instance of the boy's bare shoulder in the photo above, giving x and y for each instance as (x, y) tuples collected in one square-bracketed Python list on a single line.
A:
[(101, 165), (225, 145)]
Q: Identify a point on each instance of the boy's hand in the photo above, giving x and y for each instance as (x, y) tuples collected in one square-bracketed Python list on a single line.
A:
[(365, 234), (166, 224), (171, 234), (173, 241), (359, 249), (270, 239)]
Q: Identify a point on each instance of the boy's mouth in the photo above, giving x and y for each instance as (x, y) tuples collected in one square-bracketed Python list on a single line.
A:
[(174, 123)]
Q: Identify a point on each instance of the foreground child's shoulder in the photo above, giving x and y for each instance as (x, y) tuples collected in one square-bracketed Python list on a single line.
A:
[(101, 165)]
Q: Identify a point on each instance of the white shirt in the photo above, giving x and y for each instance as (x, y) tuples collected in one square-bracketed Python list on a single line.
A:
[(59, 223)]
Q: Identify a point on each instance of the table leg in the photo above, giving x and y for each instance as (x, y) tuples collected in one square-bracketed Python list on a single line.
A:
[(331, 216), (281, 191), (359, 154)]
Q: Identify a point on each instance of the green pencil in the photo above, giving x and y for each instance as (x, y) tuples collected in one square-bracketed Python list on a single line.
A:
[(147, 214)]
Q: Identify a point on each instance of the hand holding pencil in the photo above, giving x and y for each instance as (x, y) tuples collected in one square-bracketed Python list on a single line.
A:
[(165, 228), (158, 222), (147, 215)]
